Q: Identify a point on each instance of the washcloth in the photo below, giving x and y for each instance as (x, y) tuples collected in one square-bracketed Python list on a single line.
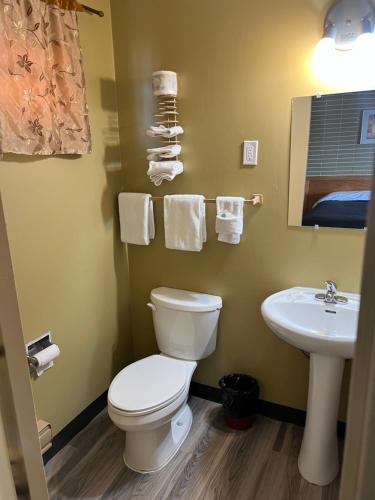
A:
[(229, 218), (160, 171), (136, 218), (170, 151), (185, 222), (161, 131)]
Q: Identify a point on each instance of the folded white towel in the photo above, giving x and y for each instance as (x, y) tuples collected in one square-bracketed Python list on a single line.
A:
[(185, 222), (136, 218), (229, 218), (162, 131), (169, 151), (160, 171), (170, 148), (153, 157)]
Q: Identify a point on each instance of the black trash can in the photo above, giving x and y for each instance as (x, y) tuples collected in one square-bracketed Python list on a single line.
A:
[(240, 394)]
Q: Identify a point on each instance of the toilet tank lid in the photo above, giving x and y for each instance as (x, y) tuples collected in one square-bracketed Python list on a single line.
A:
[(183, 300)]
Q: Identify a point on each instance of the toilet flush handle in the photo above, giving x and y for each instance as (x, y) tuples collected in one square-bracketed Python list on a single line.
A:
[(151, 306)]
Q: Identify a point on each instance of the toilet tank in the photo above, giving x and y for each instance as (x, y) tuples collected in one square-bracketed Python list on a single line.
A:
[(185, 322)]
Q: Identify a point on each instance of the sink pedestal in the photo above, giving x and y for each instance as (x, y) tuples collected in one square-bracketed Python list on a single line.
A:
[(318, 459)]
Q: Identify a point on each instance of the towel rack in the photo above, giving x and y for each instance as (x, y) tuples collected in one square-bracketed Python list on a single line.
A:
[(255, 199)]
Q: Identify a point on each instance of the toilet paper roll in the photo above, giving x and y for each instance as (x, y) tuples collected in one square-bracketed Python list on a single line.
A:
[(47, 355), (164, 83)]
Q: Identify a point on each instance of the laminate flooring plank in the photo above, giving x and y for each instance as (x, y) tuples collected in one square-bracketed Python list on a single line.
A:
[(332, 491), (202, 411), (93, 473), (310, 491), (209, 451), (131, 485), (63, 462), (239, 472)]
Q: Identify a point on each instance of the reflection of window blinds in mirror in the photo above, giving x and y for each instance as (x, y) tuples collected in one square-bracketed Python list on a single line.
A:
[(336, 122)]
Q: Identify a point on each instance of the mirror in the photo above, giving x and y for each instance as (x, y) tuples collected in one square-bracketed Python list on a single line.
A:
[(332, 160)]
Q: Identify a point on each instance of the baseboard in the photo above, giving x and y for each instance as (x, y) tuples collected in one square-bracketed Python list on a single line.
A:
[(266, 408), (75, 426)]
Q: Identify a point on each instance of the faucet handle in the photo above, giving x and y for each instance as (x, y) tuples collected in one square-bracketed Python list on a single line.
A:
[(331, 285)]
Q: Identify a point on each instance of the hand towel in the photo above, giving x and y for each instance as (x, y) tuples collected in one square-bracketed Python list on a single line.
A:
[(185, 222), (161, 131), (160, 171), (136, 218), (229, 218)]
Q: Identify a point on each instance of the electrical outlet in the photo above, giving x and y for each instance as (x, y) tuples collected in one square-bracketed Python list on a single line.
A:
[(250, 152)]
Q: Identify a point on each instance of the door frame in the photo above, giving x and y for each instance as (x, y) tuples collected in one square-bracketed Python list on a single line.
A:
[(18, 416), (358, 474)]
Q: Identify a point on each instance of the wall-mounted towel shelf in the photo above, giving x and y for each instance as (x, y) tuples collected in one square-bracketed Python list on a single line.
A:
[(164, 161), (255, 199)]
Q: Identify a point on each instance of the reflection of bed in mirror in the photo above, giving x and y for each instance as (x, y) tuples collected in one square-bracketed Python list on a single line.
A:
[(337, 201)]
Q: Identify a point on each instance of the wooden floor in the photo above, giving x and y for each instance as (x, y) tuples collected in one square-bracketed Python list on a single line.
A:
[(214, 463)]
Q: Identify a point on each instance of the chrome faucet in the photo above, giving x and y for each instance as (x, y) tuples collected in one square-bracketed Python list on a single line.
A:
[(331, 296), (331, 292)]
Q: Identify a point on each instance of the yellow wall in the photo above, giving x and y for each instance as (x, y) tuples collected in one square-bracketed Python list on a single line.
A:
[(239, 64), (70, 269)]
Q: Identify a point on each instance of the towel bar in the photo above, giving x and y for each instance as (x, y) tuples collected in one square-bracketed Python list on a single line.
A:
[(255, 199)]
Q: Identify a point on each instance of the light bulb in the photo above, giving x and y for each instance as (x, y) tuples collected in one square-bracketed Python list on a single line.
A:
[(326, 43), (322, 57), (349, 69), (366, 41)]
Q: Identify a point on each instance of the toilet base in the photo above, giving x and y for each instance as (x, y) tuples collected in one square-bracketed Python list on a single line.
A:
[(150, 450)]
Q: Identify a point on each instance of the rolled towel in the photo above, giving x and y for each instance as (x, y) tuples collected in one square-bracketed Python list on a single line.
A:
[(161, 131), (185, 222), (158, 171), (136, 218), (229, 218)]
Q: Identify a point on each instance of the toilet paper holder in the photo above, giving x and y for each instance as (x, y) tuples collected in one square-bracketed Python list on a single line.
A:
[(35, 347), (33, 362)]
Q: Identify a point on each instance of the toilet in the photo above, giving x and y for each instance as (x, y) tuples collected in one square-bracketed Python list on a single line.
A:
[(148, 399)]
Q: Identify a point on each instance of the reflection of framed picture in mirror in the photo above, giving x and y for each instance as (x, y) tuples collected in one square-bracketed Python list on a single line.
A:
[(368, 127)]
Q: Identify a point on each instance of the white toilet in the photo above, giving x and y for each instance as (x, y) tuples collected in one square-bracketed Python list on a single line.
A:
[(147, 399)]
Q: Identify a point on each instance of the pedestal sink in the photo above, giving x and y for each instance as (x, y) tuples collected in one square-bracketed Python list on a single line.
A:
[(328, 332)]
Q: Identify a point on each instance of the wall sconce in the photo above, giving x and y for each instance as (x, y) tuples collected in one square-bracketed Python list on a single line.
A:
[(347, 22), (344, 56)]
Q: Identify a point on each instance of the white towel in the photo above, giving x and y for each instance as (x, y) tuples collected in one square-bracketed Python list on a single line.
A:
[(160, 171), (136, 218), (169, 151), (229, 218), (161, 131), (185, 222), (174, 149)]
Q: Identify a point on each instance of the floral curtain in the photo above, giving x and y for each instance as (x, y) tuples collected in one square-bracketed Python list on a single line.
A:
[(43, 107)]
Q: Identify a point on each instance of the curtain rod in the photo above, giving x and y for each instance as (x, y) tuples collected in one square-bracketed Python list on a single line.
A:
[(90, 10), (74, 5)]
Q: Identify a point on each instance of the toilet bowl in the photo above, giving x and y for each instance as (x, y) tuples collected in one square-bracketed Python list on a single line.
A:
[(157, 419), (148, 398)]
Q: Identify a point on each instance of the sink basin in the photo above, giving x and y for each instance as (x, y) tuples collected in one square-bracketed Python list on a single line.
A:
[(328, 332), (296, 316)]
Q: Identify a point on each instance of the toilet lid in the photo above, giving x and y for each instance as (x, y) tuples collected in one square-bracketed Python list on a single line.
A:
[(148, 384)]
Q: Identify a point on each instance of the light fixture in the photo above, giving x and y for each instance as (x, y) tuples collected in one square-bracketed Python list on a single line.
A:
[(347, 22)]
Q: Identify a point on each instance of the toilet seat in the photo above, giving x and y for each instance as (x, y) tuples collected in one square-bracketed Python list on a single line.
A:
[(148, 385)]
